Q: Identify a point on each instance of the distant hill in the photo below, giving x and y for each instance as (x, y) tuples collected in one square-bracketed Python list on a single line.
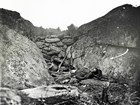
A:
[(13, 20)]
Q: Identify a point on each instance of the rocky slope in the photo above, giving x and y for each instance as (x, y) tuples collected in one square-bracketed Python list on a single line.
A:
[(112, 44), (21, 62)]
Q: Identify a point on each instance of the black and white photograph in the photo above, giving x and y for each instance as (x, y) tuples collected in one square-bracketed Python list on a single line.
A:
[(69, 52)]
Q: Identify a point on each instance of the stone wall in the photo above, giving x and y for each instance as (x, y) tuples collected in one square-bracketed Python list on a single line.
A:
[(54, 45)]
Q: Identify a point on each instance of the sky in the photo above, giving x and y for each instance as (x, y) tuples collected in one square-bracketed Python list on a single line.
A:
[(62, 13)]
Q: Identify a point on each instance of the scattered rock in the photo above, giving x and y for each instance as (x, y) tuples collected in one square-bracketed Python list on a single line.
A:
[(54, 36), (61, 54), (52, 40), (56, 60), (73, 81), (61, 78), (55, 48), (47, 44), (51, 53), (94, 87), (83, 73), (53, 44), (68, 41), (40, 44), (60, 44), (44, 51), (95, 82), (67, 37), (53, 67), (66, 62), (64, 69), (9, 97), (65, 47), (47, 49), (61, 36), (40, 39), (46, 56)]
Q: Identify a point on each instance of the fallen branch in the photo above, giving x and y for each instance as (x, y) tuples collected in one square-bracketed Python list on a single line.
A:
[(120, 54), (63, 60)]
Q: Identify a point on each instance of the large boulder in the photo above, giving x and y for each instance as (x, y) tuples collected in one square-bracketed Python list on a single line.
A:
[(112, 60), (21, 62), (50, 95)]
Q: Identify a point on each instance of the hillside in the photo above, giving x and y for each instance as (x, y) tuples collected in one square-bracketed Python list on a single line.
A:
[(121, 26)]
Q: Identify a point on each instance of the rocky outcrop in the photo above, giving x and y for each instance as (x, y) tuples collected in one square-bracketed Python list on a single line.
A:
[(112, 60), (21, 62), (121, 27), (13, 20), (111, 44)]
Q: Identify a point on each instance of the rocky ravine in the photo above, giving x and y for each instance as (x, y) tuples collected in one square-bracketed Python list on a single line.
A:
[(109, 44)]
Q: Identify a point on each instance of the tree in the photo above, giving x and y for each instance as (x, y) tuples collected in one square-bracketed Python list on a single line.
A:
[(72, 30)]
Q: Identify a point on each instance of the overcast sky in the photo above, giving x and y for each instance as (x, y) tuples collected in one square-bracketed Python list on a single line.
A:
[(62, 13)]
